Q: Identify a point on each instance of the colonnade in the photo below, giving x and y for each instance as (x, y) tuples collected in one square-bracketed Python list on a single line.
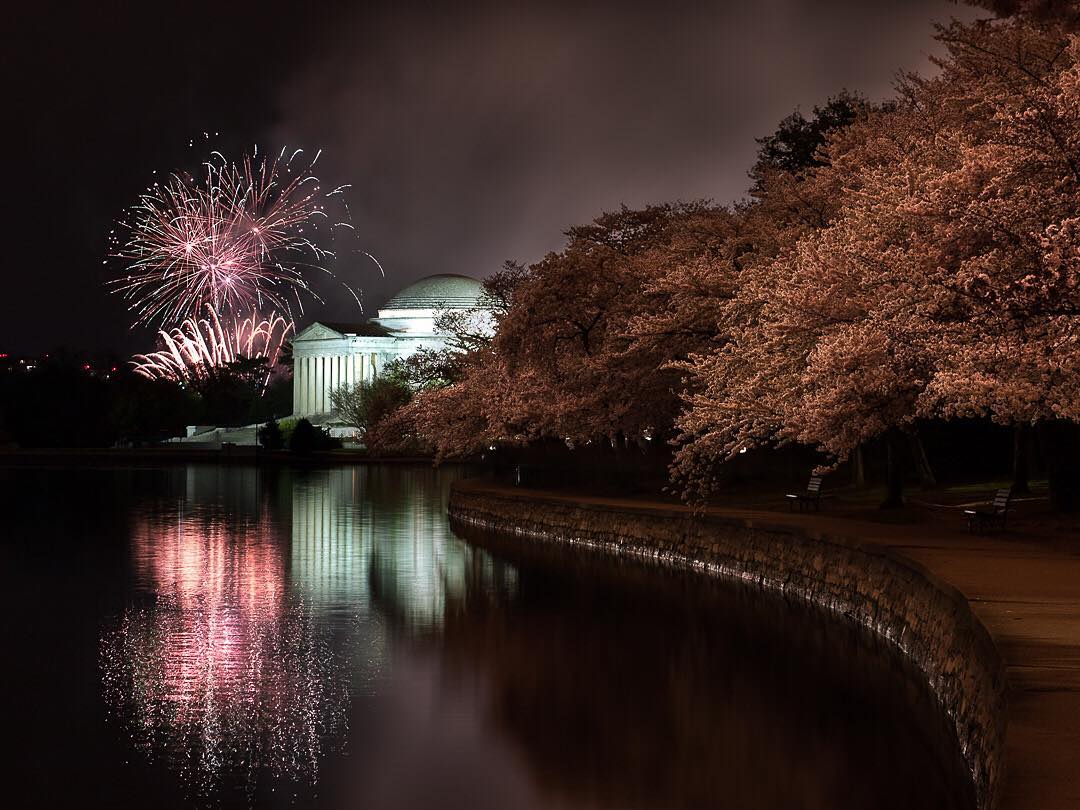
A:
[(315, 376)]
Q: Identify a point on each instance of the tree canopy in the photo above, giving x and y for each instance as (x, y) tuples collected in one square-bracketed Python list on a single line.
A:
[(896, 262)]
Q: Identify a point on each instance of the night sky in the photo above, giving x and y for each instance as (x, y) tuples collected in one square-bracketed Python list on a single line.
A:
[(469, 137)]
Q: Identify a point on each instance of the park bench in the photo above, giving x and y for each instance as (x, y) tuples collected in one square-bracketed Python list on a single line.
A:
[(812, 496), (994, 517)]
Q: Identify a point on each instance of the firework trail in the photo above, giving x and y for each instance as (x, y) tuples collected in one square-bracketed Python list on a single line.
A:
[(199, 345), (242, 237)]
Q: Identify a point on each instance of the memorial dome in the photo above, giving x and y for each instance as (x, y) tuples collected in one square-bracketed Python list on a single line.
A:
[(413, 309), (444, 291)]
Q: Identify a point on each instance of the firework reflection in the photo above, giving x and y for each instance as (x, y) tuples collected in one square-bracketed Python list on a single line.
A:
[(217, 668)]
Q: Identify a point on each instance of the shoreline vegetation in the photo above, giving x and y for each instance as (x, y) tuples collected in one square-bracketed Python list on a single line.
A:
[(895, 302), (903, 273), (178, 454)]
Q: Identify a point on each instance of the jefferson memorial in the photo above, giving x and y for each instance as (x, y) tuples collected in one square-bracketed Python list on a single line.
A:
[(328, 355)]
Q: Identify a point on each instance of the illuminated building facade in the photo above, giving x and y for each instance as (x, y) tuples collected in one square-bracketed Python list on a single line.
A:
[(328, 355)]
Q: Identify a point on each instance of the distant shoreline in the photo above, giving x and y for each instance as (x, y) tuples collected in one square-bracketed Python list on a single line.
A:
[(243, 454)]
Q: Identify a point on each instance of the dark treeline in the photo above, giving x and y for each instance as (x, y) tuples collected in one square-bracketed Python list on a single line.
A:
[(63, 403)]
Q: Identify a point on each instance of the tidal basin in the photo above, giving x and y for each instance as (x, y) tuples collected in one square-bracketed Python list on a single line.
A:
[(204, 636)]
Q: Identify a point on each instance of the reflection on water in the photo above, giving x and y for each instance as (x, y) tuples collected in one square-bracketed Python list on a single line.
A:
[(677, 691), (228, 637), (214, 664), (234, 658), (359, 538)]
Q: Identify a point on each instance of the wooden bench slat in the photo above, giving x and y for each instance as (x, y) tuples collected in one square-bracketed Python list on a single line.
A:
[(995, 515), (811, 496)]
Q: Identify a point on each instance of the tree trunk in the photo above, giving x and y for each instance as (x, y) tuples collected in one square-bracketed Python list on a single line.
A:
[(1021, 458), (894, 445), (927, 479), (858, 468), (1060, 446)]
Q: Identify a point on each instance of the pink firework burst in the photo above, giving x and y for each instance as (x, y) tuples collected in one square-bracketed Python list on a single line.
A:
[(242, 237), (200, 345)]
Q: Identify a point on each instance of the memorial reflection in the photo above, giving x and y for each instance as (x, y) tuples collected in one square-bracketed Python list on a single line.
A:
[(260, 609), (376, 538), (277, 621), (331, 538), (425, 569)]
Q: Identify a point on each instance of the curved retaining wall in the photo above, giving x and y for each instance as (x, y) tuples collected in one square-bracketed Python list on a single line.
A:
[(896, 598)]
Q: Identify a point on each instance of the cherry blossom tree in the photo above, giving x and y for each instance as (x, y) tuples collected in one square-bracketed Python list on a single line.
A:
[(743, 392), (566, 341), (943, 283), (462, 393), (895, 263)]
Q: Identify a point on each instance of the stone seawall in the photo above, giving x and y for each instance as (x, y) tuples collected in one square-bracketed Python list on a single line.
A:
[(928, 620)]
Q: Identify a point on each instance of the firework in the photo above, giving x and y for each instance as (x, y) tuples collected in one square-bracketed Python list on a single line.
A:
[(241, 237), (199, 345)]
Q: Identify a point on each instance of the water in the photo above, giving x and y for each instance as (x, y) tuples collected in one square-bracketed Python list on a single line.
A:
[(229, 637)]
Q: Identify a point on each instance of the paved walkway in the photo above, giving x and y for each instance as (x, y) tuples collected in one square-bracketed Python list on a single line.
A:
[(1027, 593)]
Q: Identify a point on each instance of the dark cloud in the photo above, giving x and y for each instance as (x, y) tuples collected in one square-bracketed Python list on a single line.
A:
[(470, 133), (471, 138)]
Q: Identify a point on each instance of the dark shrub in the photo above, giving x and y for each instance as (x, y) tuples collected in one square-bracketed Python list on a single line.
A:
[(307, 439), (270, 436)]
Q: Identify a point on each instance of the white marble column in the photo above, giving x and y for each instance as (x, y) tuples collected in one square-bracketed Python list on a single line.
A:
[(309, 385), (313, 385), (324, 371), (296, 385), (309, 388), (329, 382), (300, 383), (331, 379), (312, 390)]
